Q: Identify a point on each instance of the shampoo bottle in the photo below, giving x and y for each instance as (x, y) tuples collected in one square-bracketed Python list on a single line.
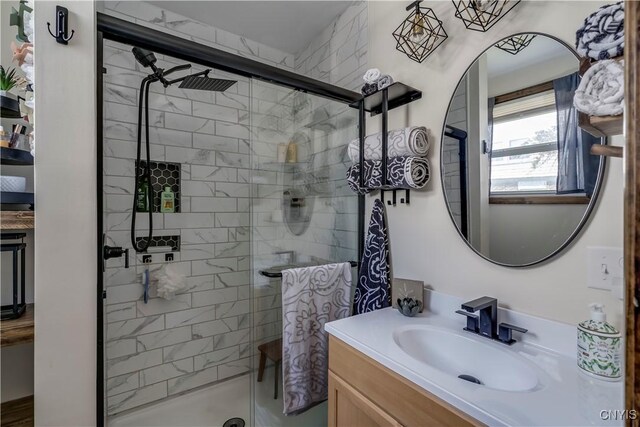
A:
[(167, 201), (599, 345)]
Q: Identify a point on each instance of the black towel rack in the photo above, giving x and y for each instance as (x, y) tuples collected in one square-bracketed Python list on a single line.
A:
[(395, 95), (272, 275)]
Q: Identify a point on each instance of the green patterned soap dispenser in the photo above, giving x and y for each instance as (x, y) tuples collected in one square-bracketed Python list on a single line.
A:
[(599, 345)]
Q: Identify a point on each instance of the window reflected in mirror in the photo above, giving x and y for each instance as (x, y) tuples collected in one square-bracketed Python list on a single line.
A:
[(517, 172)]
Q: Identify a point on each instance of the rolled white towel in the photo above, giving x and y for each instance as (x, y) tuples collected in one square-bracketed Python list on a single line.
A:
[(372, 75), (601, 90), (384, 81), (411, 141)]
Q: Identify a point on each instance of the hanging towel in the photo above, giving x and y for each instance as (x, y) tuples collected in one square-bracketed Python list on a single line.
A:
[(411, 141), (601, 90), (311, 297), (372, 289), (384, 81), (371, 75), (602, 34), (402, 173)]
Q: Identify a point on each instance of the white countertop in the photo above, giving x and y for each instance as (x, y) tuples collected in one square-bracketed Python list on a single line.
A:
[(564, 395)]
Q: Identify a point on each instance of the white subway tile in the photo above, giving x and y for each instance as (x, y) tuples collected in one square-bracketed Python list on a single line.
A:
[(188, 317), (163, 338), (160, 305), (193, 380), (187, 349), (135, 362), (165, 371), (217, 296), (140, 396)]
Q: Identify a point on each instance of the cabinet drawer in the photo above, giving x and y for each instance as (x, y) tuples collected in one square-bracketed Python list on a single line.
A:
[(402, 401)]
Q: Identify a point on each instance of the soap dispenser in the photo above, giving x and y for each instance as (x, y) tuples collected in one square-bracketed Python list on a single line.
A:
[(599, 345)]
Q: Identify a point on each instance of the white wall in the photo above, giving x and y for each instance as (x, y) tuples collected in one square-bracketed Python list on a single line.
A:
[(65, 276), (424, 242)]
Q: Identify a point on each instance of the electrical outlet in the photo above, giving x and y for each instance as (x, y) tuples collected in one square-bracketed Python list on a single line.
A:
[(146, 259), (603, 265)]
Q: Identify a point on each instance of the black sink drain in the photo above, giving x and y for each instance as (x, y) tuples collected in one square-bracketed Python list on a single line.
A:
[(470, 378), (234, 422)]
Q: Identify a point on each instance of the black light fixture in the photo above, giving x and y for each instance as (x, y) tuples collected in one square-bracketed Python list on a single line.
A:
[(515, 44), (420, 33), (480, 15)]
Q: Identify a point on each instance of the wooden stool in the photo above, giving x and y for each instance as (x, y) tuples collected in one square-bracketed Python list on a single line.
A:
[(272, 350)]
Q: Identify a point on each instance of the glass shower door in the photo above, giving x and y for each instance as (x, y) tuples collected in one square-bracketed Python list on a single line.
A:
[(302, 213)]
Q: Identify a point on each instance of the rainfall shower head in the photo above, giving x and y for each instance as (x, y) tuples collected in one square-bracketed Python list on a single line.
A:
[(144, 57), (206, 83)]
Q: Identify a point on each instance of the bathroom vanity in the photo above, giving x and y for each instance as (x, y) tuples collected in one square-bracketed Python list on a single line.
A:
[(363, 392), (389, 370)]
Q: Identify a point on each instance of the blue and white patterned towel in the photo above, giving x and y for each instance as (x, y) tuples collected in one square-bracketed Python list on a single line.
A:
[(372, 289), (602, 34)]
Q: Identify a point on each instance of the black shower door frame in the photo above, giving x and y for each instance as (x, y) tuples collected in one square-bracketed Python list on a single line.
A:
[(111, 28)]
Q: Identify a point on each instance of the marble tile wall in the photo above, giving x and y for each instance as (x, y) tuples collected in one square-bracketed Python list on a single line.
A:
[(162, 348), (231, 185), (339, 54)]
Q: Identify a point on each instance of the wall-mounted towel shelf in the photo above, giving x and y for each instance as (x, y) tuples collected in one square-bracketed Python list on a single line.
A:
[(380, 102), (275, 274), (399, 94)]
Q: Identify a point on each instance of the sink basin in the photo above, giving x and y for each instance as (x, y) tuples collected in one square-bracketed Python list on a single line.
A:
[(458, 355)]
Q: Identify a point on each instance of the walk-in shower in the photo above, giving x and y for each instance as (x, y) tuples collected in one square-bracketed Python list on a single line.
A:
[(197, 81), (240, 209)]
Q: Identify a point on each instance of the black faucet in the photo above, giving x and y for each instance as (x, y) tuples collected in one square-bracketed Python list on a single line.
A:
[(486, 323)]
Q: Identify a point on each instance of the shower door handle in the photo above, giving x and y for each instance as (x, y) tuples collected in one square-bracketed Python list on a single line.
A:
[(116, 252)]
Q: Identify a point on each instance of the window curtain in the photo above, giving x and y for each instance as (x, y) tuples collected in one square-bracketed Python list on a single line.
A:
[(577, 168)]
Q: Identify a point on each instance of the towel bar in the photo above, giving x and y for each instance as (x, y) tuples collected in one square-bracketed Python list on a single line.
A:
[(272, 275)]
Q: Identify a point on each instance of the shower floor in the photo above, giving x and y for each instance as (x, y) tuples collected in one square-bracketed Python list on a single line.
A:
[(212, 406)]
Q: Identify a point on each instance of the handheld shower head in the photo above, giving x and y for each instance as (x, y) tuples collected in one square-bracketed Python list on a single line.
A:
[(144, 57)]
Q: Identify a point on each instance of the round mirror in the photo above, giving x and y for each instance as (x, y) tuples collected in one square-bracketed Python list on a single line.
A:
[(517, 173)]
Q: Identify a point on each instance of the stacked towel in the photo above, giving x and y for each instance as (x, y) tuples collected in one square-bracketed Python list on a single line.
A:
[(601, 90), (407, 167), (402, 173), (602, 34), (311, 297), (374, 81), (411, 141)]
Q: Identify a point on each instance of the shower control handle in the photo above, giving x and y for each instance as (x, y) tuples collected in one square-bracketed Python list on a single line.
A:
[(116, 252)]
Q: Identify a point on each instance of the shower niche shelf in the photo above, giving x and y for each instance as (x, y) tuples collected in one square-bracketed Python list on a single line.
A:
[(163, 174)]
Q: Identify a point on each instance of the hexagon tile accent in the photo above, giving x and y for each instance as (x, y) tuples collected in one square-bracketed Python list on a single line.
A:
[(159, 241), (163, 174)]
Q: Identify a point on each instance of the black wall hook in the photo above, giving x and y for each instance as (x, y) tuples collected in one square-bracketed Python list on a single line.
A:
[(62, 26)]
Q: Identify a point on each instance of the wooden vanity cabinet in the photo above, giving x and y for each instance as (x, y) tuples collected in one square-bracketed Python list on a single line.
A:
[(364, 393)]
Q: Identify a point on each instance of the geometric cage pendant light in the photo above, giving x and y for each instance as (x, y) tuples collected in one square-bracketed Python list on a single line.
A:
[(420, 33), (480, 15), (515, 44)]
